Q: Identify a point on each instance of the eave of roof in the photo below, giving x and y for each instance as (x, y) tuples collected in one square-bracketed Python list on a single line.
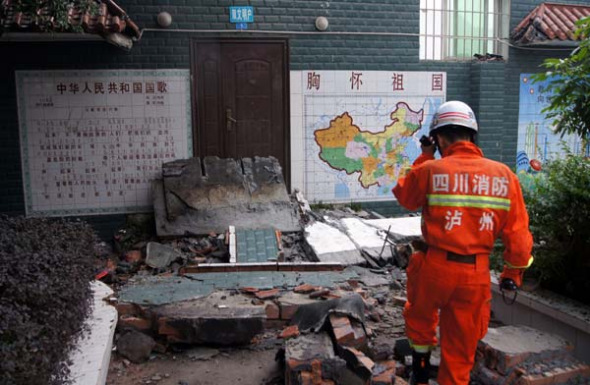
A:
[(109, 22), (550, 24)]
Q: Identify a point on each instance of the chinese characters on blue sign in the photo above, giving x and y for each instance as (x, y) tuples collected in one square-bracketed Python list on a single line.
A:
[(241, 16)]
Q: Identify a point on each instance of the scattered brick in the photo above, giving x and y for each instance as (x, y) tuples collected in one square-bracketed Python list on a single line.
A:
[(267, 294), (272, 311), (342, 329), (316, 372), (133, 256), (288, 310), (556, 376), (361, 292), (305, 378), (249, 290), (137, 323), (290, 332), (126, 308), (305, 288)]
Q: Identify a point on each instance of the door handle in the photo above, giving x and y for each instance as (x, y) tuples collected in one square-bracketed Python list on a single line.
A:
[(229, 119)]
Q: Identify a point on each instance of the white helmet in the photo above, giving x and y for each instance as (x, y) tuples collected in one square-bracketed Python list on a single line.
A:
[(453, 113)]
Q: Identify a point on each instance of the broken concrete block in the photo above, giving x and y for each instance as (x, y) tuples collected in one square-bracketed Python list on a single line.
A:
[(400, 229), (506, 347), (204, 321), (197, 197), (313, 353), (366, 237), (135, 346), (331, 245), (159, 256)]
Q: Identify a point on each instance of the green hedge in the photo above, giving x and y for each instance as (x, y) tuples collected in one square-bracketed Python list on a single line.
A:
[(45, 270), (558, 202)]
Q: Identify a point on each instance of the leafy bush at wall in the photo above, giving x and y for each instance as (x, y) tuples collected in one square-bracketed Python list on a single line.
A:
[(45, 270), (558, 202)]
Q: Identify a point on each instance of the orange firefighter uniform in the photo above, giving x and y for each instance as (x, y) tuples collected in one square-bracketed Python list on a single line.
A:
[(467, 201)]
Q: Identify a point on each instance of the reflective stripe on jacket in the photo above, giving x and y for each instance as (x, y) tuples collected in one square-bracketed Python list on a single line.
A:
[(467, 202)]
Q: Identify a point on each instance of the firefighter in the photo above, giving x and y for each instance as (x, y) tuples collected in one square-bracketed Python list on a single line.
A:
[(467, 201)]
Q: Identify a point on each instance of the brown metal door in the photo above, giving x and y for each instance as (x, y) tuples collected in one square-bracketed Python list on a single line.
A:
[(241, 99)]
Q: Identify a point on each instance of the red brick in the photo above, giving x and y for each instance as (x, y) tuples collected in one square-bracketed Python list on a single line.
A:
[(342, 329), (141, 324), (290, 332), (361, 292), (133, 256), (126, 308), (316, 372), (558, 376), (305, 378), (171, 333), (305, 288), (249, 290), (288, 310), (267, 294), (272, 311), (295, 365)]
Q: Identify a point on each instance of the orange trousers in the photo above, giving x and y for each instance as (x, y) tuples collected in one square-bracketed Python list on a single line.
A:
[(461, 294)]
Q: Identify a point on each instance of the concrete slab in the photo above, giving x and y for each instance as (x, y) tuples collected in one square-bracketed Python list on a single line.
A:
[(218, 319), (331, 245), (366, 237), (508, 346), (155, 291), (402, 229), (91, 356), (197, 197)]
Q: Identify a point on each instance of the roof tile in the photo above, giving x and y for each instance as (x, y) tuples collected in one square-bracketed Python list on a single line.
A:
[(110, 18), (550, 23)]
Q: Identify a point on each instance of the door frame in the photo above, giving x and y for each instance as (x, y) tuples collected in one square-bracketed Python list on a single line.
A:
[(195, 101)]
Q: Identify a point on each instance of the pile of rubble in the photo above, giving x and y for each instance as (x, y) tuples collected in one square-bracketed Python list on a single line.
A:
[(327, 287)]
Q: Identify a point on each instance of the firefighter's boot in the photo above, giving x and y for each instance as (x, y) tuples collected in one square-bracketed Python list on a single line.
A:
[(420, 368)]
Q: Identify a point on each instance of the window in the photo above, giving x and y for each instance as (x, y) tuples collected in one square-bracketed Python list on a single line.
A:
[(458, 29)]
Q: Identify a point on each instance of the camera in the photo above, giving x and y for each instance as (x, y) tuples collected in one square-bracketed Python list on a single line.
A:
[(425, 141)]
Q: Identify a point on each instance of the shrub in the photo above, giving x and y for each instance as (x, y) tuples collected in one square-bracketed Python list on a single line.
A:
[(45, 270), (558, 202)]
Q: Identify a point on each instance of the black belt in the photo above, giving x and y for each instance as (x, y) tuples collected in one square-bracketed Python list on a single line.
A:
[(469, 259)]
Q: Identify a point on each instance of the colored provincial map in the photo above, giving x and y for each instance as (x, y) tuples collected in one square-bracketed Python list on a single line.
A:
[(378, 157)]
